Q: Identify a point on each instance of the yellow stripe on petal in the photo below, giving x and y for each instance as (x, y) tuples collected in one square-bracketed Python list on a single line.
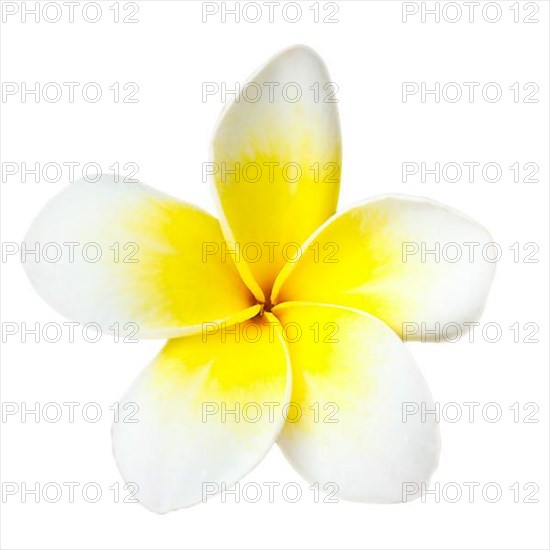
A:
[(356, 387), (376, 257), (202, 419), (277, 163), (129, 254)]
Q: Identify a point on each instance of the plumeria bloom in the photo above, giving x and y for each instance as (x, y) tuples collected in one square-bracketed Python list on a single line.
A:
[(284, 319)]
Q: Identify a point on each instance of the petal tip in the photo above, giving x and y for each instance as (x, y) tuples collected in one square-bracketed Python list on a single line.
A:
[(298, 55)]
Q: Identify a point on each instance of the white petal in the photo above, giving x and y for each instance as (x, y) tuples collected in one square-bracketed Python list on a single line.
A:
[(187, 444), (286, 151), (376, 257), (354, 381), (151, 269)]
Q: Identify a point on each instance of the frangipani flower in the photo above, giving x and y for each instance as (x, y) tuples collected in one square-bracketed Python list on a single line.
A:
[(347, 296)]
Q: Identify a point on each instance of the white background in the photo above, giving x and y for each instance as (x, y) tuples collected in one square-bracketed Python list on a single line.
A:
[(370, 52)]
